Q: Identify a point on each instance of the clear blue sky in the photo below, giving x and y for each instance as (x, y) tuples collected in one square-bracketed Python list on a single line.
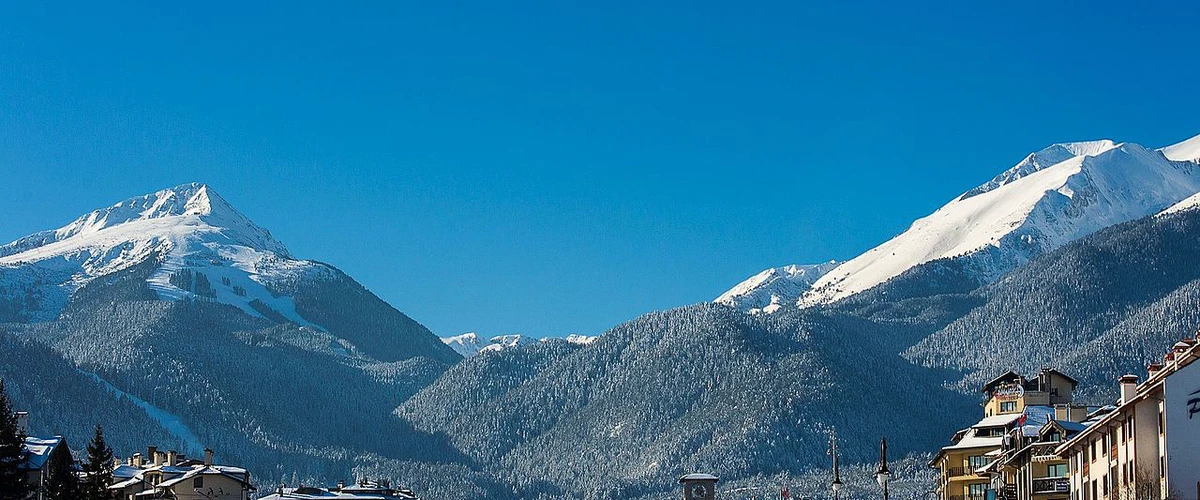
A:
[(561, 167)]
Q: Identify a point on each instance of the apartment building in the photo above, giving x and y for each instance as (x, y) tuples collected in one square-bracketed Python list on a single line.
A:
[(169, 474), (1148, 447), (1003, 454)]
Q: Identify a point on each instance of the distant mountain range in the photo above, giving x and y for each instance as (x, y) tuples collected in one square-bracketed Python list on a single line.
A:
[(171, 317), (469, 344)]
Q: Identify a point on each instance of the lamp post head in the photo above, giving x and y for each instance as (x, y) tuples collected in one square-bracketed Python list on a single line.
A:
[(882, 474), (836, 485)]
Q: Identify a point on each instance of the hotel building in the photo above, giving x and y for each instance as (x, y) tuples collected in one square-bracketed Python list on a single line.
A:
[(1148, 447)]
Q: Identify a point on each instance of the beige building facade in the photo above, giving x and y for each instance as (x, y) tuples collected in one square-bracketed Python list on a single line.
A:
[(1148, 446)]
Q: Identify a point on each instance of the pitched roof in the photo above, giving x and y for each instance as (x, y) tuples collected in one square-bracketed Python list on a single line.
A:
[(39, 450), (1006, 377)]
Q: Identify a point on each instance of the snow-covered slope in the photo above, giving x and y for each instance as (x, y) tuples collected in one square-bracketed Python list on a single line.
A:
[(1050, 198), (201, 248), (466, 345), (771, 289), (469, 344)]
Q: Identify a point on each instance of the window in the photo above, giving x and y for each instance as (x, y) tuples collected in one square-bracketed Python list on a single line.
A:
[(1056, 470), (977, 491), (1104, 485), (1094, 489), (1008, 406), (198, 482), (1160, 422), (976, 461)]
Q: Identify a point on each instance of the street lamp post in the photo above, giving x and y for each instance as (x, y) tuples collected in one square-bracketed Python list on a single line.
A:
[(836, 485), (883, 474)]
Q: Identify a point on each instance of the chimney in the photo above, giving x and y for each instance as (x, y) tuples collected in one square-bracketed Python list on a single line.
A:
[(1128, 387), (151, 454), (208, 456), (341, 484), (1152, 369), (160, 458), (172, 458), (137, 460), (23, 423)]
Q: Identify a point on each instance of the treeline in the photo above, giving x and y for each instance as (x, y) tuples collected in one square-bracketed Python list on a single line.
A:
[(61, 476)]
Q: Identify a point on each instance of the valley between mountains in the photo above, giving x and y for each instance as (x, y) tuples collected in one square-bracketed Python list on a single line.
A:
[(175, 319)]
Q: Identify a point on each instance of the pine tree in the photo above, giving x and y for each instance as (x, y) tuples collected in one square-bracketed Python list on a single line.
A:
[(13, 485), (61, 483), (98, 469)]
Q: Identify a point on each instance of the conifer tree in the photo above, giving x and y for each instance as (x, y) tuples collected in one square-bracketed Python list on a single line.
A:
[(61, 483), (13, 485), (98, 469)]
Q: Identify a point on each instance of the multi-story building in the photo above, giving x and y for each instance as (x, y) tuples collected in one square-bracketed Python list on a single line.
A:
[(1027, 467), (172, 475), (1148, 447), (1015, 413), (363, 490)]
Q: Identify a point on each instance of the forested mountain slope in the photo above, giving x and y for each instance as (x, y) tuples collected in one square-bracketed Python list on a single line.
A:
[(1096, 308), (704, 387)]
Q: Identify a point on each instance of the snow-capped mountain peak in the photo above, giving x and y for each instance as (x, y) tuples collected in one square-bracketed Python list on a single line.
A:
[(180, 203), (1036, 208), (469, 344), (769, 290), (201, 248), (1039, 160)]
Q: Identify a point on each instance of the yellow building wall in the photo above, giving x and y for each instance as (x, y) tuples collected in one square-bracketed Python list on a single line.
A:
[(215, 487)]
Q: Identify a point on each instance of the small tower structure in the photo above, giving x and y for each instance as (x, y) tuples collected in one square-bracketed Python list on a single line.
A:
[(699, 486)]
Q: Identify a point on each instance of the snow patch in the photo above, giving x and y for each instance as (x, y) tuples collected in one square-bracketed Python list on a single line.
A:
[(169, 421)]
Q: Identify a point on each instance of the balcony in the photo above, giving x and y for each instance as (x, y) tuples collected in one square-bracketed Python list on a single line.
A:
[(960, 471), (1051, 485)]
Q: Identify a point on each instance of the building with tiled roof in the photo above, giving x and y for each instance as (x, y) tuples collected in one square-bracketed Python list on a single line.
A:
[(363, 490), (988, 459), (174, 475)]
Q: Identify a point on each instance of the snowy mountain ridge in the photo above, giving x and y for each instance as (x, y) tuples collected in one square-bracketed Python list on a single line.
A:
[(1027, 215), (202, 249), (773, 288), (1051, 197), (469, 344)]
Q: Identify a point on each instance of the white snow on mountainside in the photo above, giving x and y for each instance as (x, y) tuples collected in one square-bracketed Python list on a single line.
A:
[(469, 344), (1045, 201), (204, 250), (771, 289)]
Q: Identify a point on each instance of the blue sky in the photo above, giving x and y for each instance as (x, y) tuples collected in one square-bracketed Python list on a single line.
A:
[(560, 167)]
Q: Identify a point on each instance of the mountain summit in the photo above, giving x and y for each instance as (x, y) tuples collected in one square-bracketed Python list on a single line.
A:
[(1051, 197), (189, 233)]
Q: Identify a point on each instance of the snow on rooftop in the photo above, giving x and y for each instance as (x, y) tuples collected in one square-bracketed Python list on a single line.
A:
[(699, 477), (39, 449)]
